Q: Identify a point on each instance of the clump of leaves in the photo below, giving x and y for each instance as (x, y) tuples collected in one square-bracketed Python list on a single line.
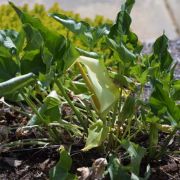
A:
[(40, 65)]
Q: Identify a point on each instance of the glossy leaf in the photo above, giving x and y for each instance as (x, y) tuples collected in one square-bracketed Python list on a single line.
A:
[(88, 54), (17, 83), (89, 35), (71, 24), (7, 38)]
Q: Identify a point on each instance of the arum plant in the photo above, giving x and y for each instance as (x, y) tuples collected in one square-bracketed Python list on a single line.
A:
[(104, 95)]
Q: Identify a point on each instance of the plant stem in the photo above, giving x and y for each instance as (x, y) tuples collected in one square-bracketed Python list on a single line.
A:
[(36, 99), (27, 142), (15, 109), (120, 103), (76, 111), (165, 145), (114, 114), (127, 130), (31, 104), (153, 139)]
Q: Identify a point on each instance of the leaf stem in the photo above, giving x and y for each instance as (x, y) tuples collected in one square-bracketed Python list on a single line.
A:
[(76, 111), (165, 145), (31, 104)]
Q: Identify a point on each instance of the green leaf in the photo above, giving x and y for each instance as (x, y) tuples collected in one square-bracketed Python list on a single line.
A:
[(49, 110), (125, 54), (89, 35), (8, 67), (176, 90), (100, 84), (6, 39), (14, 84), (136, 153), (97, 133), (20, 40), (140, 73), (34, 38), (88, 54), (121, 27), (32, 61), (124, 82), (99, 31), (127, 6), (12, 40), (160, 99), (82, 29), (47, 58), (52, 40), (116, 170), (161, 53), (61, 170), (69, 57), (120, 32), (128, 108), (73, 25), (78, 87)]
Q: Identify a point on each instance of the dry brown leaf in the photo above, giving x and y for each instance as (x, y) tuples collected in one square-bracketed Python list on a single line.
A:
[(12, 161), (96, 172), (85, 173)]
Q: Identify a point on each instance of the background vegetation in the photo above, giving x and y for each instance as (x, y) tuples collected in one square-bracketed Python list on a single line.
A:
[(10, 20)]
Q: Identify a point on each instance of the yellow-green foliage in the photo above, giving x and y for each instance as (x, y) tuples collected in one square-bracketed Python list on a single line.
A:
[(9, 19)]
